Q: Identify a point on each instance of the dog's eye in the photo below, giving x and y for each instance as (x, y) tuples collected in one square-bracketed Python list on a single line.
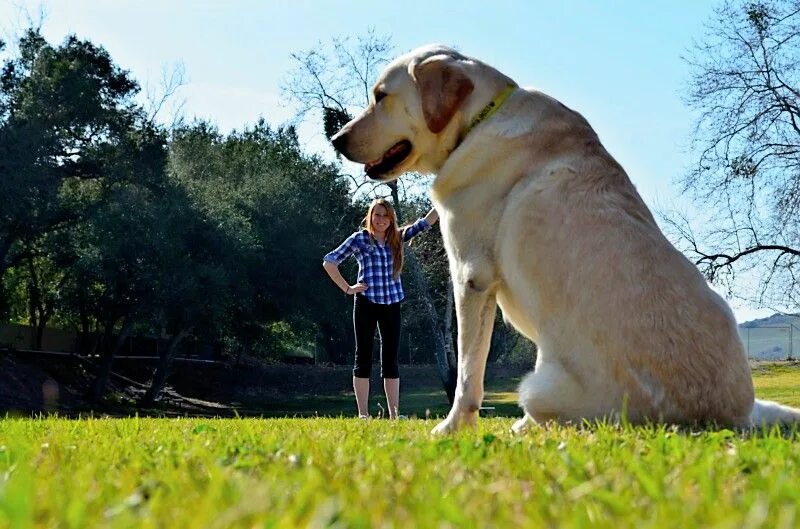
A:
[(379, 96)]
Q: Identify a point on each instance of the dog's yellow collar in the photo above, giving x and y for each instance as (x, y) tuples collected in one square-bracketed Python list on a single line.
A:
[(490, 109)]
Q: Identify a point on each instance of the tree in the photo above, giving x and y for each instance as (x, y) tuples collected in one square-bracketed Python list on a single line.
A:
[(65, 117), (81, 177), (745, 87), (277, 207), (335, 85), (108, 227), (197, 271)]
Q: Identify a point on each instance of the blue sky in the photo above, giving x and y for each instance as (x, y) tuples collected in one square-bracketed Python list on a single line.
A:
[(618, 63)]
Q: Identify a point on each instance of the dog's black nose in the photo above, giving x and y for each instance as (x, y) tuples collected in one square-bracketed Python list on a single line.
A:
[(339, 142)]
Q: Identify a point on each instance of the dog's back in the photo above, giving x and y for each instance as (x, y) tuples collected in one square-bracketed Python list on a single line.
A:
[(599, 274)]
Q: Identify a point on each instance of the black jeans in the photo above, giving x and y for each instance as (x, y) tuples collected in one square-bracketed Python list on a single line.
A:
[(366, 315)]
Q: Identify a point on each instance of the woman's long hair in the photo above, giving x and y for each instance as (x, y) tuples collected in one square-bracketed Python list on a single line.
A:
[(393, 236)]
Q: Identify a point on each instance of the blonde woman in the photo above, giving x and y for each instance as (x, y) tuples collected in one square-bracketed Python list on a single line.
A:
[(378, 293)]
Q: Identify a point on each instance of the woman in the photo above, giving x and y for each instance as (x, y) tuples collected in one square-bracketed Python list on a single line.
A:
[(378, 293)]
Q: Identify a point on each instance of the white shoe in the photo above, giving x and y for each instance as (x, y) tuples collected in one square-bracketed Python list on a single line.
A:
[(363, 417)]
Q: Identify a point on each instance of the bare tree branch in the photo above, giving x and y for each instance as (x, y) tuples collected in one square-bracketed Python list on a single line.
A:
[(745, 87), (171, 81)]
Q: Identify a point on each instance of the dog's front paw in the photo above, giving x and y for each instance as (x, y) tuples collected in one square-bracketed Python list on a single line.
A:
[(445, 427), (454, 422), (522, 425)]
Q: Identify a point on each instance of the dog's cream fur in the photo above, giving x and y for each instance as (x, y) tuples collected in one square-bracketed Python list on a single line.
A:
[(539, 219)]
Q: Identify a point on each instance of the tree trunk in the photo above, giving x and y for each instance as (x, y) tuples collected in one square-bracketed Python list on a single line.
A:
[(34, 307), (5, 246), (439, 350), (163, 369), (40, 313), (85, 333), (104, 367), (445, 369), (450, 348), (498, 343), (42, 323)]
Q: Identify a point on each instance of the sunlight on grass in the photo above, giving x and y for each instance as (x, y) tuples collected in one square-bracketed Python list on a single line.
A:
[(779, 382), (336, 472), (349, 473), (508, 397)]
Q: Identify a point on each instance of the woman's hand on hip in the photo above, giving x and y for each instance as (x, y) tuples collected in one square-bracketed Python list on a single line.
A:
[(358, 288)]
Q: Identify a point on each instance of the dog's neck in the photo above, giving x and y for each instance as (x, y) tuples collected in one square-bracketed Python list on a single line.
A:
[(487, 112), (459, 136), (447, 180)]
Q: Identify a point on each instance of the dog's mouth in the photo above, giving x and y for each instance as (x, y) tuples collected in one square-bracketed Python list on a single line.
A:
[(390, 159)]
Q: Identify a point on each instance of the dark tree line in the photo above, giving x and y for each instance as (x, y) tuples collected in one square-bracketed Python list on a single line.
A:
[(115, 226)]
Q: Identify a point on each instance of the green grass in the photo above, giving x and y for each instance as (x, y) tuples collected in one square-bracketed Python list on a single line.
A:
[(773, 381), (343, 472), (778, 382), (417, 402)]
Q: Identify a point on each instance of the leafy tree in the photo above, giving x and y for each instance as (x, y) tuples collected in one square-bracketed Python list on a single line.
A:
[(65, 117), (745, 87), (195, 286), (108, 227), (123, 263), (81, 172), (277, 207)]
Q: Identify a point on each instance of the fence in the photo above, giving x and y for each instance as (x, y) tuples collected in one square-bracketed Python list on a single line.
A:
[(22, 338), (774, 342)]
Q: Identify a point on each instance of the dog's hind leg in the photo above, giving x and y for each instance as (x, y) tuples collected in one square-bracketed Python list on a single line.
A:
[(552, 393), (475, 311)]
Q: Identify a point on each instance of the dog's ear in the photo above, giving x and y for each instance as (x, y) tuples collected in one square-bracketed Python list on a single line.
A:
[(442, 87)]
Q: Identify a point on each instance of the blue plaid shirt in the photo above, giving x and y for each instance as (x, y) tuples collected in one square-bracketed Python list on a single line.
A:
[(375, 263)]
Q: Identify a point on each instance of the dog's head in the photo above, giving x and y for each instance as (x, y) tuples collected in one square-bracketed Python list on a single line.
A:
[(416, 113)]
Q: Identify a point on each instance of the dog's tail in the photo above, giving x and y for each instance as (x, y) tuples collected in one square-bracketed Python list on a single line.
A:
[(766, 412)]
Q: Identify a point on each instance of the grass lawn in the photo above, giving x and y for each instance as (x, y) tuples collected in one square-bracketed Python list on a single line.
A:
[(418, 401), (778, 382), (415, 403), (343, 472), (773, 381)]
